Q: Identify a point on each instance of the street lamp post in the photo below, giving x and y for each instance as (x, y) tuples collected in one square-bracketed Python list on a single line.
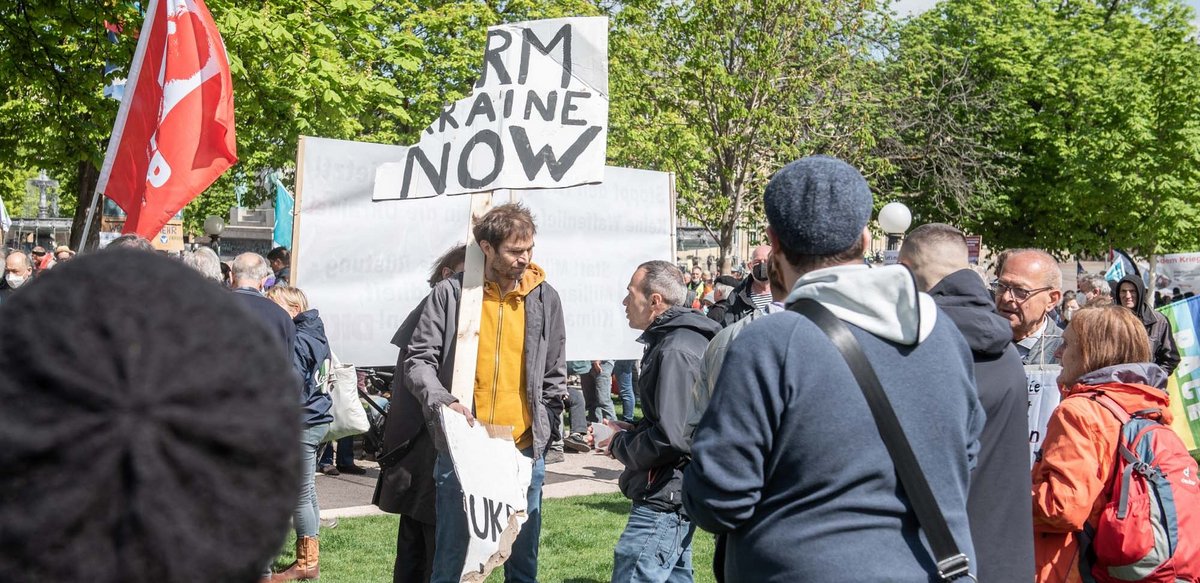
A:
[(894, 219), (213, 226)]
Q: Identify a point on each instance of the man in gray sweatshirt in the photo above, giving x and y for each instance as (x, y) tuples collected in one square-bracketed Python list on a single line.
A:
[(787, 461)]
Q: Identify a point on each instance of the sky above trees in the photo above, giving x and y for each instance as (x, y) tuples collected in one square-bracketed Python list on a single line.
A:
[(907, 7)]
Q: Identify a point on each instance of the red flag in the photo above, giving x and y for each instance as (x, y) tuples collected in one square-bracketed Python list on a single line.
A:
[(174, 132)]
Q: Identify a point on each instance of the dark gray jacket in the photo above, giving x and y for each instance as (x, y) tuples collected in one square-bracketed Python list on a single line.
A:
[(998, 503), (654, 450), (405, 485), (430, 365)]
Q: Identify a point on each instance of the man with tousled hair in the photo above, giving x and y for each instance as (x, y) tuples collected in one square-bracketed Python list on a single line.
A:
[(654, 451), (787, 461), (998, 504), (520, 377), (405, 484)]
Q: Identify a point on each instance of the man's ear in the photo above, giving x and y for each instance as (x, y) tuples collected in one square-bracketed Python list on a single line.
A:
[(1055, 295)]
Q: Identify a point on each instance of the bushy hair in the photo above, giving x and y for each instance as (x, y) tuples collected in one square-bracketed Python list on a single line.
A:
[(504, 222)]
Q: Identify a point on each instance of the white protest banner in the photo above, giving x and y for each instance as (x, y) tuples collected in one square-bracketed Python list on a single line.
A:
[(538, 117), (1043, 399), (1178, 270), (364, 265), (495, 481)]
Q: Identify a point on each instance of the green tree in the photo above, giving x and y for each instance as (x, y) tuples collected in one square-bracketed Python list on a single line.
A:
[(724, 92), (1099, 104)]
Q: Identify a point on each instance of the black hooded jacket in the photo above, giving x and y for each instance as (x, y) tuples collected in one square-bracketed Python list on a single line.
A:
[(653, 451), (998, 505), (1163, 351)]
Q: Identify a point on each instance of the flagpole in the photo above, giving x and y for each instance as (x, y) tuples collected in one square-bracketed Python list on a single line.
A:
[(87, 226)]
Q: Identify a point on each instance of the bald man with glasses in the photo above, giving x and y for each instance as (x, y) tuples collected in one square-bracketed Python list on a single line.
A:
[(1026, 290)]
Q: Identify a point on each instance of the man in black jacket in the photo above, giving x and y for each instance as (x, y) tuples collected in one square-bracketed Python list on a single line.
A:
[(749, 295), (1131, 293), (653, 450), (998, 502)]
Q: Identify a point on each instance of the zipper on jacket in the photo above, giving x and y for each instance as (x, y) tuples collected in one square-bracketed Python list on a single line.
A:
[(496, 371)]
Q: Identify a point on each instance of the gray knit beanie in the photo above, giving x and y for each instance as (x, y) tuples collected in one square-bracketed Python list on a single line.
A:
[(818, 205), (149, 425)]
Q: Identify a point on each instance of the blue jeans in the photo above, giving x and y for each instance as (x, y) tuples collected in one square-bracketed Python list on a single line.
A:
[(450, 548), (307, 516), (597, 392), (345, 453), (656, 547), (623, 369)]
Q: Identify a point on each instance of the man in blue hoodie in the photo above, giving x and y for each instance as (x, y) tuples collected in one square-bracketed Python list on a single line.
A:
[(999, 505), (656, 545), (787, 461)]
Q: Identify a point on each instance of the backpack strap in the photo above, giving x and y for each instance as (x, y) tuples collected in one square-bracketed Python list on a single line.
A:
[(1107, 402), (951, 563)]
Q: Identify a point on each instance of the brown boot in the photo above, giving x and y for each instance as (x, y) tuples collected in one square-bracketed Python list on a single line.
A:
[(305, 566)]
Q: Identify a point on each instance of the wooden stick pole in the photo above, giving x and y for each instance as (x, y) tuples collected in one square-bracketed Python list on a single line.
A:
[(296, 197), (470, 309)]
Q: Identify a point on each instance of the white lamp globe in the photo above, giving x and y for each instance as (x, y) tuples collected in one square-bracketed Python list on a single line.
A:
[(213, 225), (894, 218)]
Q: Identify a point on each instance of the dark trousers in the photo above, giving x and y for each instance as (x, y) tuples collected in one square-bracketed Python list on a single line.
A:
[(415, 542), (576, 411)]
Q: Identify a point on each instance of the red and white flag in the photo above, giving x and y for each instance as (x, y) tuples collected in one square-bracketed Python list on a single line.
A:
[(174, 132)]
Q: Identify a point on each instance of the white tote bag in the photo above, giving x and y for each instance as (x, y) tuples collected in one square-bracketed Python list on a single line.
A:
[(349, 417)]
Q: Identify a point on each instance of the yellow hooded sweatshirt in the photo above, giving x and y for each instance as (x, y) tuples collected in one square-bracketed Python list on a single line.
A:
[(501, 396)]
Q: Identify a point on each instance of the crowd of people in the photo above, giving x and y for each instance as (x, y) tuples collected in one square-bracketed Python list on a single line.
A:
[(757, 422)]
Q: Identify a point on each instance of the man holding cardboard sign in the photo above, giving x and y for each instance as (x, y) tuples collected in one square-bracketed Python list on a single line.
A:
[(520, 378)]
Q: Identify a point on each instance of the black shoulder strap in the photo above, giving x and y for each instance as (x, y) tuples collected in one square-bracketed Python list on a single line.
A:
[(951, 563)]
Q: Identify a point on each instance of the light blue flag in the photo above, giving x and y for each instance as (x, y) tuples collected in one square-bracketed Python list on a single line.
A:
[(1116, 271), (284, 204)]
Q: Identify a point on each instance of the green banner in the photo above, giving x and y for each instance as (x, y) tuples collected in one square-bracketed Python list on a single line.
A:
[(1184, 386)]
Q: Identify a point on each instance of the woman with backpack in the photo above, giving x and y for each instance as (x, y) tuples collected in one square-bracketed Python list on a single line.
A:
[(1106, 376), (312, 350)]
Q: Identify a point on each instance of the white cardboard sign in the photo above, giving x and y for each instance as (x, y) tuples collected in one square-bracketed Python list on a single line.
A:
[(495, 479), (1043, 400), (364, 265), (537, 118)]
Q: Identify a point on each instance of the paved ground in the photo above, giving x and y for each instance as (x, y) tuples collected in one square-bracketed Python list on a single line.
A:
[(579, 474)]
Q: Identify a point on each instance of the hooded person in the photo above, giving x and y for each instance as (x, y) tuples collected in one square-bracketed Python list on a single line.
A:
[(1131, 293), (998, 505), (152, 424), (786, 460)]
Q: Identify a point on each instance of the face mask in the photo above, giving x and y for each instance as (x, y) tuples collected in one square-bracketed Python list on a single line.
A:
[(14, 281), (761, 272)]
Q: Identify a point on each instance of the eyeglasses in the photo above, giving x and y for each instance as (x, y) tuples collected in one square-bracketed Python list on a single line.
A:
[(1018, 293)]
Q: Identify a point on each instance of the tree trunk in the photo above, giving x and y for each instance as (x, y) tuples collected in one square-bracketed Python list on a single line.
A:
[(86, 187)]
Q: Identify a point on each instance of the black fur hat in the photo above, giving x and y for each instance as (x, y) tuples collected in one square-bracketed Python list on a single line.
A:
[(149, 428)]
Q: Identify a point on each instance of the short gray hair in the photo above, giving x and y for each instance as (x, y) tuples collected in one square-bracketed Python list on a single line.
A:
[(131, 241), (250, 267), (664, 279), (720, 289), (205, 260), (1096, 282)]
